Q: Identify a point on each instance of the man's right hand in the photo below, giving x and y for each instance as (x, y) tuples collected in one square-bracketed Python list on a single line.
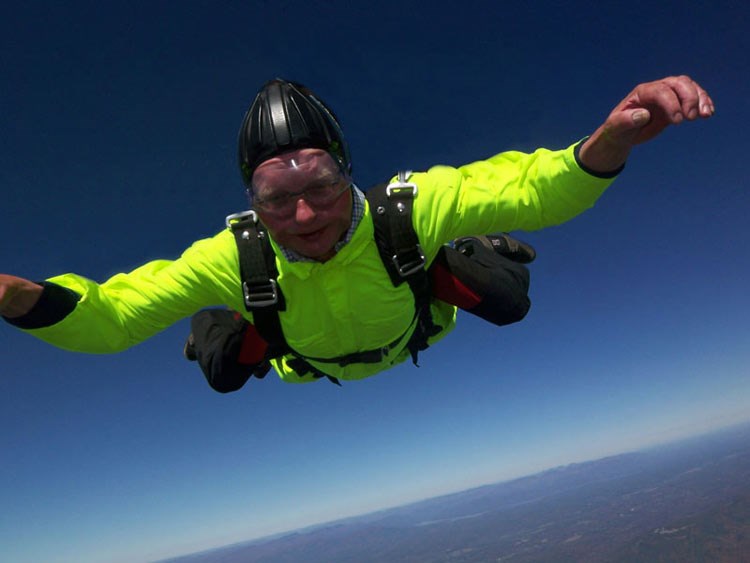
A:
[(17, 295)]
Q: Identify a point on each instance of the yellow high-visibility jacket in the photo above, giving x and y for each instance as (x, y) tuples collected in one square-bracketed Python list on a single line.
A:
[(348, 303)]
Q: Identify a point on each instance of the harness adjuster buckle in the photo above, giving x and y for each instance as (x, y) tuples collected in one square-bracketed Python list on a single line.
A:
[(411, 264), (401, 184), (261, 294), (398, 186), (235, 218)]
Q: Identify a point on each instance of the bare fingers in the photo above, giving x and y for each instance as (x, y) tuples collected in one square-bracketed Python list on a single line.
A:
[(691, 99)]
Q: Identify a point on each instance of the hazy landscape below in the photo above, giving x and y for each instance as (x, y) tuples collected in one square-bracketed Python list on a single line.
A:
[(688, 501)]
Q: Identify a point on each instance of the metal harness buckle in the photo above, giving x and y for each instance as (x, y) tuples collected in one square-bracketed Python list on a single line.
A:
[(401, 184), (261, 295), (242, 215), (411, 265)]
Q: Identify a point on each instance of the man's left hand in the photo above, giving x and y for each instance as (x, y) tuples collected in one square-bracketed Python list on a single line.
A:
[(642, 115)]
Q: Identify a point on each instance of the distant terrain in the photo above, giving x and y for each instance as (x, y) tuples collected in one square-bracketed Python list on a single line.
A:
[(685, 502)]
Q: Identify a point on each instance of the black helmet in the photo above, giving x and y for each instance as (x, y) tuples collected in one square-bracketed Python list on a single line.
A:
[(286, 116)]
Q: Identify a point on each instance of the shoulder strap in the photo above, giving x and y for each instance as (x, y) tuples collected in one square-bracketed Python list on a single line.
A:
[(391, 208), (398, 244), (258, 274)]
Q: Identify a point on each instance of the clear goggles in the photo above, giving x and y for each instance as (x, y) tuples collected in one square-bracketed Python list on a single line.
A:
[(309, 174)]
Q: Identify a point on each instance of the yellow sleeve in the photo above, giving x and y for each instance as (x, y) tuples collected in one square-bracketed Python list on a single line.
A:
[(509, 191), (129, 308)]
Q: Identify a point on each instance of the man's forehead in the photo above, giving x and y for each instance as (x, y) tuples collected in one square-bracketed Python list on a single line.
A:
[(295, 168)]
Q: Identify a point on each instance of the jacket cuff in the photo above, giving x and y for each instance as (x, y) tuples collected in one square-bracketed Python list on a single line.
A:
[(55, 303), (588, 170)]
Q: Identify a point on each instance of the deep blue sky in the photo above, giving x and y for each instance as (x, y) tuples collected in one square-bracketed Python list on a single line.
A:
[(118, 146)]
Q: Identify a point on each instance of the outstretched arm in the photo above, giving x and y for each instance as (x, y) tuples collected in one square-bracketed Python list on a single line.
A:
[(641, 116), (79, 314)]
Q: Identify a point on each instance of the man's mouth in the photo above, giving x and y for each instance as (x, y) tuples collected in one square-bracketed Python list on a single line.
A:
[(311, 235)]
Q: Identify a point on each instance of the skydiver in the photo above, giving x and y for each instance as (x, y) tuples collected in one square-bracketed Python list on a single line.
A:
[(340, 314)]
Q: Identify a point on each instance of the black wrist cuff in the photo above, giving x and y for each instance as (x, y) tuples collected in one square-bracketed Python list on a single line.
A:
[(606, 175), (55, 303)]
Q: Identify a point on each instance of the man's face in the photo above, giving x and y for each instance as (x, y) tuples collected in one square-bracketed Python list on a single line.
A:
[(304, 200)]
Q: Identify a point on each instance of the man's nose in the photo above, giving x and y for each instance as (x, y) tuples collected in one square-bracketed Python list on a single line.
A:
[(304, 212)]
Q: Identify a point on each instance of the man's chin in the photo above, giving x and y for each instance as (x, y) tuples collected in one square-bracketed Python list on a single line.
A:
[(315, 248)]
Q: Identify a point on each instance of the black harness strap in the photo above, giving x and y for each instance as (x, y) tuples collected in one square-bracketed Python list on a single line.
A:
[(261, 293), (401, 253)]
